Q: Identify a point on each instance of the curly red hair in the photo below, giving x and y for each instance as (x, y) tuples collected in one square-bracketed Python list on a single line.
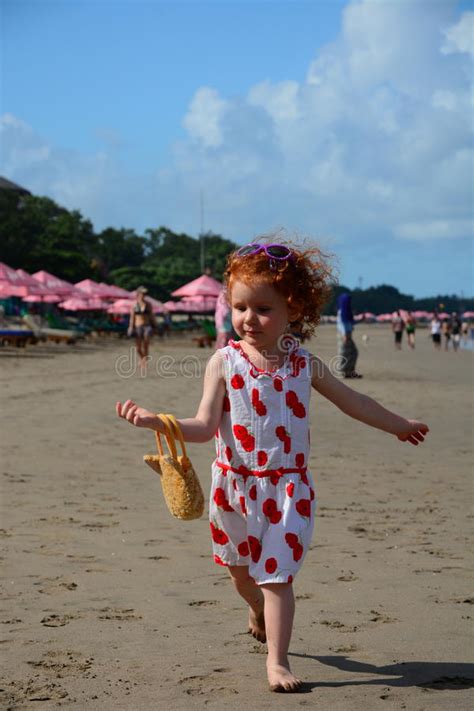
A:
[(305, 280)]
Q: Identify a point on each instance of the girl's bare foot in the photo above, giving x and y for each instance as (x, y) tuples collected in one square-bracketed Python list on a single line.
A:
[(257, 625), (282, 680)]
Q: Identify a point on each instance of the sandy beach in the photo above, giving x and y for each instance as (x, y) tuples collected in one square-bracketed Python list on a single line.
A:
[(110, 603)]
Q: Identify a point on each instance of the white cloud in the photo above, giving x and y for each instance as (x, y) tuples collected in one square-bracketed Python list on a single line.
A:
[(460, 37), (427, 231), (203, 120)]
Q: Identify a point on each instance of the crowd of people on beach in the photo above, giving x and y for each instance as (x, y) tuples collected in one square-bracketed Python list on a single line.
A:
[(448, 329)]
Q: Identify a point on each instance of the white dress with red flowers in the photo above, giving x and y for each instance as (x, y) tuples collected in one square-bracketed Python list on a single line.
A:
[(262, 499)]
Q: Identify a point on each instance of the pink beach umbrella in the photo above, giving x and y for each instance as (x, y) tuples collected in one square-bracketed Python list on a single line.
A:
[(11, 283), (74, 304), (171, 306), (202, 286), (468, 314), (116, 292), (92, 289), (47, 299), (123, 306), (56, 285), (77, 304)]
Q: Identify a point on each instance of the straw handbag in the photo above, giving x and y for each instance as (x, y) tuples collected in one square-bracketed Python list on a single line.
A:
[(181, 487)]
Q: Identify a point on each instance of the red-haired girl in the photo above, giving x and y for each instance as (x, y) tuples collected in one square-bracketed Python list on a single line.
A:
[(256, 395)]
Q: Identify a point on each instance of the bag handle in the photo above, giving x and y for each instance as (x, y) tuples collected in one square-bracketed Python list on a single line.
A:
[(176, 430), (169, 436)]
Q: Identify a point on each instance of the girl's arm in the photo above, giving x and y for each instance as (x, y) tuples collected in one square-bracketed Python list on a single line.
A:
[(200, 428), (364, 408)]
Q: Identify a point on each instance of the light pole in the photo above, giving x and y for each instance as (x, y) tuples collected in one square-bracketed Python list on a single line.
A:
[(201, 235)]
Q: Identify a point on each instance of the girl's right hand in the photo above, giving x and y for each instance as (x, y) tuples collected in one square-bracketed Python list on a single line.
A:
[(138, 416)]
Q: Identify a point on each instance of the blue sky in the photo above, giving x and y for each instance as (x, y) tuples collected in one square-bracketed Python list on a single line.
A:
[(348, 122)]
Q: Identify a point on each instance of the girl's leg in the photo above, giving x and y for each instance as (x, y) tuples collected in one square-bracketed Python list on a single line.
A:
[(279, 614), (253, 596)]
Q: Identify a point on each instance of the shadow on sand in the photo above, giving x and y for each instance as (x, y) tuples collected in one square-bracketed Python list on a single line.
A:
[(428, 675)]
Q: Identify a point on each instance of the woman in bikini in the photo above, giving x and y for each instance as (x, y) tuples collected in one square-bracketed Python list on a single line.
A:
[(143, 322)]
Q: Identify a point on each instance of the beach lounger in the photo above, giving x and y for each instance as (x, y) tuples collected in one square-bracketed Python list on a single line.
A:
[(16, 337), (56, 335)]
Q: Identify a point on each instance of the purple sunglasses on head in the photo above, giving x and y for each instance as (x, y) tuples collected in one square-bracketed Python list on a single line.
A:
[(273, 251)]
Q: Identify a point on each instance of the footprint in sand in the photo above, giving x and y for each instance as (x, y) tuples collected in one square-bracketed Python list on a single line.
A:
[(17, 692), (347, 577), (200, 685), (52, 586), (57, 620), (115, 613), (60, 663), (381, 617), (203, 603), (344, 650)]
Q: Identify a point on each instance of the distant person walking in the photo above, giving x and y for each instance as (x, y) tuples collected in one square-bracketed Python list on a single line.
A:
[(410, 328), (456, 327), (142, 323), (465, 328), (435, 329), (446, 331), (223, 320), (347, 349), (398, 327)]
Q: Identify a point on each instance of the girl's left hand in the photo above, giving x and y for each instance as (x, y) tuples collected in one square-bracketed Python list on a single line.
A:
[(414, 432)]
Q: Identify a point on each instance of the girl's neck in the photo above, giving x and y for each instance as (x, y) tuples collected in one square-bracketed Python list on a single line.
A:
[(267, 357)]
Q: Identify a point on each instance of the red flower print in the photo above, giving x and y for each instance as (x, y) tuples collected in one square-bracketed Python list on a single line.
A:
[(299, 459), (287, 445), (243, 506), (234, 484), (271, 565), (275, 517), (290, 579), (299, 410), (255, 548), (228, 453), (226, 404), (292, 539), (269, 507), (240, 431), (303, 506), (304, 479), (280, 433), (253, 492), (275, 478), (290, 489), (261, 409), (298, 551), (237, 381), (248, 443), (219, 496), (262, 458), (311, 493), (291, 398), (278, 384), (219, 561), (218, 535), (259, 406), (243, 549)]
